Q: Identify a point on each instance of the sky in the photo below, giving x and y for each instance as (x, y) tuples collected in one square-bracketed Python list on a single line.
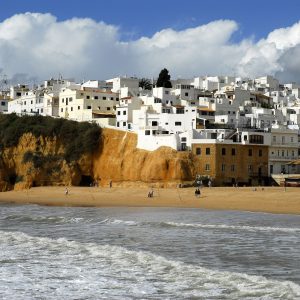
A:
[(103, 39)]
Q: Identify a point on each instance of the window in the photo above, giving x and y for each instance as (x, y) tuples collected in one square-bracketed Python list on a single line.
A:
[(256, 139), (124, 112), (292, 140), (104, 98), (154, 123), (233, 151), (167, 92), (249, 152), (124, 123), (117, 99), (107, 108), (207, 151), (274, 138), (271, 169), (198, 151), (177, 123), (232, 168), (71, 108), (147, 132), (87, 97), (118, 124), (259, 152), (89, 107), (249, 168), (223, 168), (283, 139), (2, 103), (223, 151), (70, 99), (96, 97), (119, 112), (282, 153), (42, 110), (207, 167), (186, 94), (111, 98), (78, 107), (31, 102), (293, 153), (62, 110)]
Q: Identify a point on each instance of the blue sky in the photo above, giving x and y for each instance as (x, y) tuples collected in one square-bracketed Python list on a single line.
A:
[(137, 18), (40, 39)]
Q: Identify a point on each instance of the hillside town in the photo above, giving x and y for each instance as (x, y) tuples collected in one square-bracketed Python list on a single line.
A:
[(243, 131)]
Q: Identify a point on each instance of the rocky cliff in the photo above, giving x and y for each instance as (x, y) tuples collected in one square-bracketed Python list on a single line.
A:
[(37, 161)]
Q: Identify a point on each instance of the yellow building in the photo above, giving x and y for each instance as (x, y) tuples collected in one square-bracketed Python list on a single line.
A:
[(231, 163)]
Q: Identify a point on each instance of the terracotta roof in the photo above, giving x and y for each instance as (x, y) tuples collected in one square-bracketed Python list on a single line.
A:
[(97, 112), (205, 109)]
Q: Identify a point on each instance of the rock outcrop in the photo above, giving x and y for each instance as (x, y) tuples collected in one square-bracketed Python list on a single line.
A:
[(39, 161)]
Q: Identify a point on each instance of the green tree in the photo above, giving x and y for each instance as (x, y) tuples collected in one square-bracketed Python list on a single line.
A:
[(164, 79), (145, 84)]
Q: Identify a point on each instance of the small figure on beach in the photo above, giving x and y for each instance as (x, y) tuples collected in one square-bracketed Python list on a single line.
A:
[(197, 192), (110, 184), (150, 193), (209, 183), (66, 191)]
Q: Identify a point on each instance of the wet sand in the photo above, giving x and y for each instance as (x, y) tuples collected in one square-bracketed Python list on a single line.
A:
[(269, 199)]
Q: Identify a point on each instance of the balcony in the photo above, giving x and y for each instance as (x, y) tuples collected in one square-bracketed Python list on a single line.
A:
[(282, 158)]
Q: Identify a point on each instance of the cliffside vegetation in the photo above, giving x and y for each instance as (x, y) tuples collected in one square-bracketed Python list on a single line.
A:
[(77, 138)]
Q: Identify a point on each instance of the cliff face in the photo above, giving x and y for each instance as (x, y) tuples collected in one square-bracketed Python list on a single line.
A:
[(121, 161), (39, 161)]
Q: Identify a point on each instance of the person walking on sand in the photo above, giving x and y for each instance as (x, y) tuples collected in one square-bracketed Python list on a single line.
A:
[(110, 184), (66, 191)]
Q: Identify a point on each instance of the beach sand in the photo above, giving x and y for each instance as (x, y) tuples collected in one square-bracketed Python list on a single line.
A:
[(267, 199)]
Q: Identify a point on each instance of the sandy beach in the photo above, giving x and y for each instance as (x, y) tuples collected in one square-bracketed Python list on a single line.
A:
[(268, 199)]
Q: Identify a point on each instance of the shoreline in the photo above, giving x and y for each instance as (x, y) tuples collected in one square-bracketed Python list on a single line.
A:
[(267, 199)]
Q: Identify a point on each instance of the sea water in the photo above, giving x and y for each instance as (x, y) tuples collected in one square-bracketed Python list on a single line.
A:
[(147, 253)]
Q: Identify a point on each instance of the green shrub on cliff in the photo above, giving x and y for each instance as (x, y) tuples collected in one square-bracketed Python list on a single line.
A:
[(77, 137)]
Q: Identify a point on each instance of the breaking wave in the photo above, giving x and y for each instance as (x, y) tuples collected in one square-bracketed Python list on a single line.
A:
[(55, 268)]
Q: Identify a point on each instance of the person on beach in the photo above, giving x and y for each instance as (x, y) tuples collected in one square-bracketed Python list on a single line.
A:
[(197, 193), (66, 191), (110, 184)]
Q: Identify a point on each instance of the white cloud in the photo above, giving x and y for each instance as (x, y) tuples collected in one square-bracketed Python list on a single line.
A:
[(39, 45)]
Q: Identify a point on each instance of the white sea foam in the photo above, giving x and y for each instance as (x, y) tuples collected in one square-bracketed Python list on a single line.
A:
[(52, 268), (119, 222), (233, 227), (45, 219)]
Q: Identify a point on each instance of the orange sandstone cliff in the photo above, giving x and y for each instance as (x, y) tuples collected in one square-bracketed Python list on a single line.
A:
[(117, 160)]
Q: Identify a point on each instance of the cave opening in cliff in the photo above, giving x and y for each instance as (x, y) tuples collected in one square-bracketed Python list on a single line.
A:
[(12, 178), (86, 180)]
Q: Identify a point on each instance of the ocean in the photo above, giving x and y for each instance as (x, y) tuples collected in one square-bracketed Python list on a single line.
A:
[(147, 253)]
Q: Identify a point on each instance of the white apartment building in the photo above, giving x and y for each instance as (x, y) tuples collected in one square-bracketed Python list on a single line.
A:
[(125, 86), (172, 127), (88, 104), (124, 111), (18, 91), (32, 102), (4, 103), (283, 149)]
